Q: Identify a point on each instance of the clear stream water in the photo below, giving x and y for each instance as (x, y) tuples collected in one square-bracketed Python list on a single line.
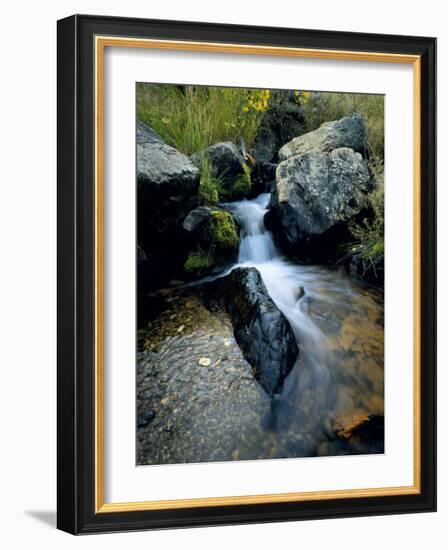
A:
[(215, 413), (338, 324)]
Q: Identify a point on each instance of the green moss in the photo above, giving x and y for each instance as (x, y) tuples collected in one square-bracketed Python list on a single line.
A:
[(198, 261), (209, 186), (223, 231), (216, 246), (243, 183)]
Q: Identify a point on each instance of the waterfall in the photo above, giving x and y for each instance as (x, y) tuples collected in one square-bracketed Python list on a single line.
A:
[(256, 244), (282, 278)]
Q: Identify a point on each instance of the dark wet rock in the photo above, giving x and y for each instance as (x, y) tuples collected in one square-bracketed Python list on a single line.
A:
[(228, 165), (282, 121), (315, 197), (167, 185), (261, 330), (197, 219), (300, 292), (347, 132)]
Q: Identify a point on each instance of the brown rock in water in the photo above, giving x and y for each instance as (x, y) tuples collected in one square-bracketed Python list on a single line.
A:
[(358, 426), (344, 425)]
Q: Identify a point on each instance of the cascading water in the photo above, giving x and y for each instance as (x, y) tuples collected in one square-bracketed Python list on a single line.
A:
[(256, 243), (325, 309), (283, 279), (338, 325)]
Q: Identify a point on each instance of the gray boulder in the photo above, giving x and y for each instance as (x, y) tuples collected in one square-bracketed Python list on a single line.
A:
[(317, 193), (163, 170), (261, 330), (348, 132), (167, 186)]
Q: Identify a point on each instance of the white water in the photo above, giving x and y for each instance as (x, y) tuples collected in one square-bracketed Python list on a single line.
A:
[(282, 278), (331, 374)]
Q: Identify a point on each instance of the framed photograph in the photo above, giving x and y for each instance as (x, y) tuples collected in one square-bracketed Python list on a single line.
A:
[(246, 274)]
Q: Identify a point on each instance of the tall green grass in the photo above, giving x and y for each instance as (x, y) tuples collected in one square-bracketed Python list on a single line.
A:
[(191, 118)]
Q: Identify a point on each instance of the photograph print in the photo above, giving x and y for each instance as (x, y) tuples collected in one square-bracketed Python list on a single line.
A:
[(260, 274)]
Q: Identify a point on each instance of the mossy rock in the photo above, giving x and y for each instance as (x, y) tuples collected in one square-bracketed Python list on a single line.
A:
[(223, 231), (215, 240)]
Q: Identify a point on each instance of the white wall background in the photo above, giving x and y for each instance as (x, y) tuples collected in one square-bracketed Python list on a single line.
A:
[(28, 272)]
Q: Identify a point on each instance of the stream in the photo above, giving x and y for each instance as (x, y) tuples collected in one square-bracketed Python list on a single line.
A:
[(336, 382), (338, 327)]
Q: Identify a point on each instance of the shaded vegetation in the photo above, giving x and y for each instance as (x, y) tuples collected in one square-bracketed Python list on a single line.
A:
[(199, 261), (369, 233)]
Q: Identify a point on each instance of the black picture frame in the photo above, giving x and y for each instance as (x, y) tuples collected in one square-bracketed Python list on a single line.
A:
[(76, 286)]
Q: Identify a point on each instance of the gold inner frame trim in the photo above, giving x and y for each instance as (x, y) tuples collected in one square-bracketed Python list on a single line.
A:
[(101, 42)]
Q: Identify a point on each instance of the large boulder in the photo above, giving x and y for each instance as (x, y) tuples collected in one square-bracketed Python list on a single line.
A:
[(282, 121), (229, 167), (260, 328), (167, 188), (349, 132), (316, 195)]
